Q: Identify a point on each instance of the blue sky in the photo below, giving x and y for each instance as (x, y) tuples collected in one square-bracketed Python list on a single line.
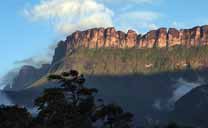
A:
[(29, 27)]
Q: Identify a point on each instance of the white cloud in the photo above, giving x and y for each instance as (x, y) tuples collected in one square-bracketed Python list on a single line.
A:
[(152, 26), (4, 99), (8, 78), (36, 61), (130, 1), (141, 1), (138, 20), (70, 15), (178, 24), (39, 59), (141, 15)]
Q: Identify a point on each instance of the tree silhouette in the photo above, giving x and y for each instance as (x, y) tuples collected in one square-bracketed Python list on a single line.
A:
[(113, 116), (175, 125), (72, 105), (14, 117)]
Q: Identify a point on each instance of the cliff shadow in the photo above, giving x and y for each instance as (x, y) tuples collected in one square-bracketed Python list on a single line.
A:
[(146, 96)]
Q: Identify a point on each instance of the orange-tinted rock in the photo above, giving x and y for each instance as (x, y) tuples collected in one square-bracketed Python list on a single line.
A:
[(161, 37), (86, 38), (173, 37), (185, 37), (148, 40), (122, 39), (195, 36), (110, 38), (190, 37), (204, 35), (131, 39), (101, 38)]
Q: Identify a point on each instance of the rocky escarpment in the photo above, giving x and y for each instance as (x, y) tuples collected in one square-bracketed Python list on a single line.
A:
[(60, 51), (27, 75), (163, 37), (111, 38)]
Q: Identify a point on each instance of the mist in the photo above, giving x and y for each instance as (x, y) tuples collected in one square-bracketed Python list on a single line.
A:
[(4, 100), (182, 87), (5, 81), (8, 78)]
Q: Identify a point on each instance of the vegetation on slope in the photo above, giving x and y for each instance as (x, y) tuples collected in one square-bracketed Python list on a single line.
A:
[(131, 61), (135, 61)]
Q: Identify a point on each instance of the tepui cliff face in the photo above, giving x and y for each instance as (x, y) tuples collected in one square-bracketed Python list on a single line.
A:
[(111, 38), (162, 37)]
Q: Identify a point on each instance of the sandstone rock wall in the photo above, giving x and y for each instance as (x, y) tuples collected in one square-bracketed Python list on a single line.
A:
[(111, 38), (163, 37)]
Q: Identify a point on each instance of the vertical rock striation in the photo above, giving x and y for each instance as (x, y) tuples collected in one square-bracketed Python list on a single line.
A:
[(110, 38)]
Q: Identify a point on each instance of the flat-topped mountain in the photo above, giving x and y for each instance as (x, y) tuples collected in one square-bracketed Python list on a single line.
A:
[(162, 37), (111, 38), (125, 53)]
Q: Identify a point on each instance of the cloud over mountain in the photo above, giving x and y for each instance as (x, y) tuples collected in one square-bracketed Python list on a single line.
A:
[(8, 78), (39, 59), (70, 15), (138, 20)]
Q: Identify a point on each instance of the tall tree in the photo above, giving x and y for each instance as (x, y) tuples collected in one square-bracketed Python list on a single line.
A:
[(73, 105)]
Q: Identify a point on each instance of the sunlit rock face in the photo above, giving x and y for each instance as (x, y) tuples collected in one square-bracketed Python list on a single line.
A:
[(173, 37), (204, 35), (97, 38), (111, 38), (102, 38), (131, 39), (162, 37)]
